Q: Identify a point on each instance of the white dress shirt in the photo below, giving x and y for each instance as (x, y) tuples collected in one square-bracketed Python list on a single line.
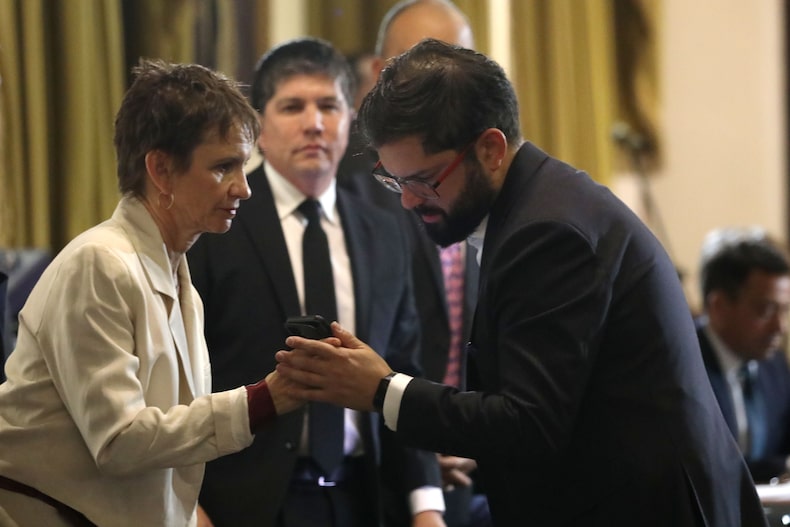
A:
[(730, 365)]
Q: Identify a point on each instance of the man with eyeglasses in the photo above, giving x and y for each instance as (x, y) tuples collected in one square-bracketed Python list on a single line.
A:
[(593, 406), (445, 279), (745, 287)]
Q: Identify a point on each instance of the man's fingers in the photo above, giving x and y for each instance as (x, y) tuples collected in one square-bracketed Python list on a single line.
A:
[(299, 359), (457, 477), (347, 339), (299, 375), (308, 346)]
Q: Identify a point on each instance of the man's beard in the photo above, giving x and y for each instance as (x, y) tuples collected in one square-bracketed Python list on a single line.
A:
[(472, 205)]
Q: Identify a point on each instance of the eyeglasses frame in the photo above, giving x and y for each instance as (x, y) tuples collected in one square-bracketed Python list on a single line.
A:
[(401, 183)]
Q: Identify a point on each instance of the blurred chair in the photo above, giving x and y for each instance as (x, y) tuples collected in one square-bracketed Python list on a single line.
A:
[(23, 267), (3, 325)]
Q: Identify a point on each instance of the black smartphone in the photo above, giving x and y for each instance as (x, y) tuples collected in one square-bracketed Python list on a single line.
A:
[(309, 327)]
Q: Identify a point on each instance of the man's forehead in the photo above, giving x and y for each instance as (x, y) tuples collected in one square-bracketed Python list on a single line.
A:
[(298, 83)]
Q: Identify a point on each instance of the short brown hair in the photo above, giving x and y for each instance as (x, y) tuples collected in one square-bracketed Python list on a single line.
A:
[(173, 107)]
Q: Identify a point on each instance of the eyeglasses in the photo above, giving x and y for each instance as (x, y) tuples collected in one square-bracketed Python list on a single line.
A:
[(418, 187)]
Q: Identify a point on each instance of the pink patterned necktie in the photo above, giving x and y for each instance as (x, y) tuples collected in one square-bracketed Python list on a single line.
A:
[(453, 272)]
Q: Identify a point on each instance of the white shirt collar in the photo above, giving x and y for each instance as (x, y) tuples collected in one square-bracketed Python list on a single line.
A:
[(730, 363), (477, 238), (287, 197)]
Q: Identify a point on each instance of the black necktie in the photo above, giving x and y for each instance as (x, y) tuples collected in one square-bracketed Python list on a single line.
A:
[(326, 420), (754, 404)]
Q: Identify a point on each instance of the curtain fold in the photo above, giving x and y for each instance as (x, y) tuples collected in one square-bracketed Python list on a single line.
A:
[(91, 71), (577, 66), (61, 67), (29, 130), (352, 25), (565, 74)]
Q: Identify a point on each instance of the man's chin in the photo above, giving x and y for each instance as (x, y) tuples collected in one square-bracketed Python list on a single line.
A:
[(441, 235)]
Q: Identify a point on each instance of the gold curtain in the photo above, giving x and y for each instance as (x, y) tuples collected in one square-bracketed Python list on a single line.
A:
[(352, 25), (164, 30), (565, 73), (64, 67), (477, 13), (62, 71), (578, 66)]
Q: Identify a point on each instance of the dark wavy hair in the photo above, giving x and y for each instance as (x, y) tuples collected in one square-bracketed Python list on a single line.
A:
[(173, 107), (446, 95), (727, 265), (302, 56)]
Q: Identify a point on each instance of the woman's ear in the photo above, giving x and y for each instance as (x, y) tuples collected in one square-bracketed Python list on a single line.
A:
[(491, 148), (159, 167)]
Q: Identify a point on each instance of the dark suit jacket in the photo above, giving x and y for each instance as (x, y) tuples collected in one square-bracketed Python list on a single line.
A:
[(773, 381), (355, 174), (594, 407), (247, 285)]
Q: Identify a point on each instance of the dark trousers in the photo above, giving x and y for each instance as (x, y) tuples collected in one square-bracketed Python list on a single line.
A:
[(347, 499)]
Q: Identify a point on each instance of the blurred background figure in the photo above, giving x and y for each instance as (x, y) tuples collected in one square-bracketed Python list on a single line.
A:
[(745, 286), (364, 75)]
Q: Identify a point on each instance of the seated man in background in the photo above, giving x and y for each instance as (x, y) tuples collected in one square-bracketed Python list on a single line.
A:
[(320, 467), (745, 281)]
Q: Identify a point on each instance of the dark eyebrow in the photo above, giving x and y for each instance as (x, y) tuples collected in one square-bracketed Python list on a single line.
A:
[(289, 100), (333, 98)]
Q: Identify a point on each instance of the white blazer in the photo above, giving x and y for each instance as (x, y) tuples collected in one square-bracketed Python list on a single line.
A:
[(107, 407)]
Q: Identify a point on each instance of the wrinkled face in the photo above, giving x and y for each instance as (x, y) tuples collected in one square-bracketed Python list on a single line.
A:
[(465, 195), (207, 195), (754, 323), (304, 128)]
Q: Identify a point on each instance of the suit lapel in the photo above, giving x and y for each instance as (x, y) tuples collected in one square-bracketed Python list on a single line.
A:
[(718, 382), (358, 235), (157, 267), (258, 217)]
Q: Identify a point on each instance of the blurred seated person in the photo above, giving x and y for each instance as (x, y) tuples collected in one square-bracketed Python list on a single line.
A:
[(23, 267), (745, 281)]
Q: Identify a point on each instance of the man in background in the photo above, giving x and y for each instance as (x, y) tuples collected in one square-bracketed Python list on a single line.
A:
[(317, 467), (745, 282), (445, 281)]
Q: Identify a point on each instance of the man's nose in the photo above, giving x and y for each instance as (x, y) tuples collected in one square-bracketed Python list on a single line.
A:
[(314, 120), (409, 199)]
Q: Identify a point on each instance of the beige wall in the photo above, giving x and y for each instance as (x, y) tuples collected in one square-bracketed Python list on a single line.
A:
[(723, 122)]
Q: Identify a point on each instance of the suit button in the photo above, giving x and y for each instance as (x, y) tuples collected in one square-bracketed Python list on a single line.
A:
[(289, 446)]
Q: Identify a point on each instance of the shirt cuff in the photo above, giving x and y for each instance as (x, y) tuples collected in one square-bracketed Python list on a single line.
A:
[(260, 405), (392, 399), (426, 499)]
